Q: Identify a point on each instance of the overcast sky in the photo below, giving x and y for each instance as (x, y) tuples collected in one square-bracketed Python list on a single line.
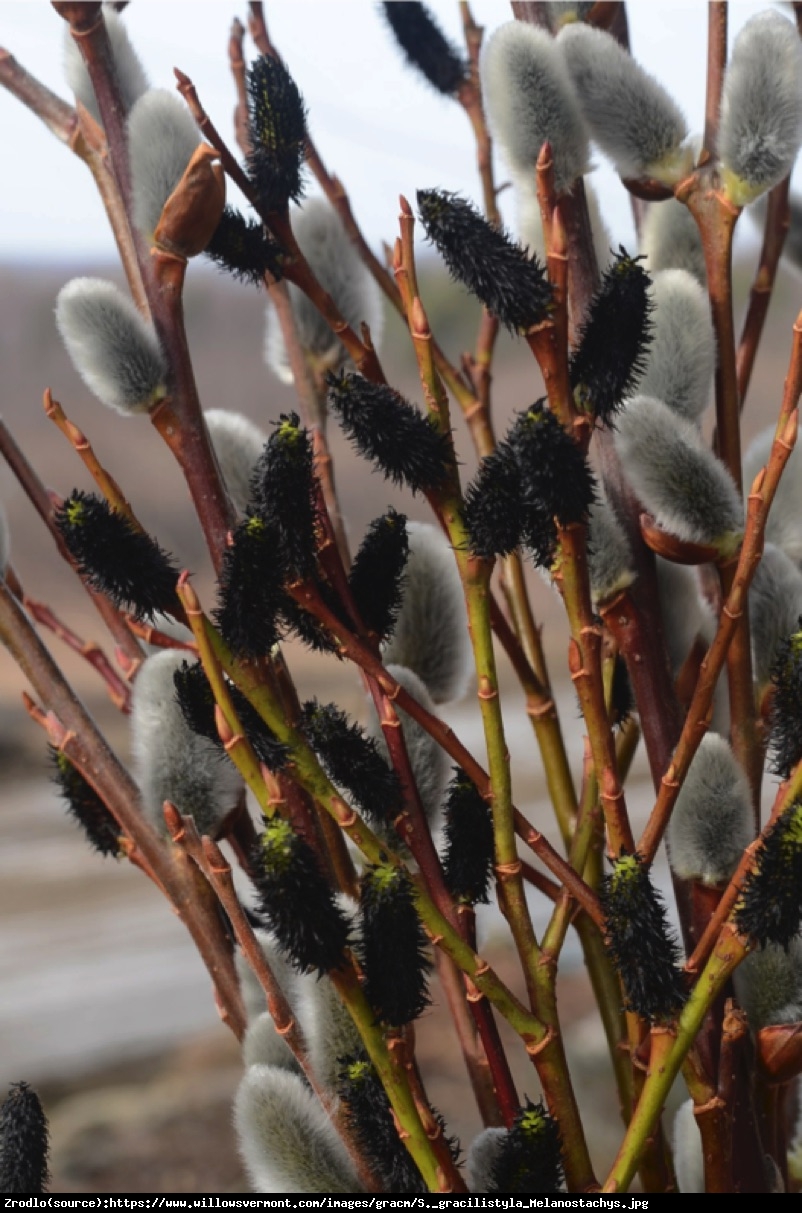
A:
[(380, 128)]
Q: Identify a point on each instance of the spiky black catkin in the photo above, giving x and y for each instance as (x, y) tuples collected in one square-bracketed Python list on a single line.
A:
[(640, 942), (377, 574), (297, 903), (250, 589), (425, 46), (770, 910), (353, 761), (468, 832), (277, 130), (282, 491), (786, 712), (555, 477), (113, 557), (385, 428), (24, 1142), (306, 627), (241, 247), (392, 946), (196, 701), (493, 505), (614, 342), (85, 806), (370, 1120), (511, 284), (530, 1156)]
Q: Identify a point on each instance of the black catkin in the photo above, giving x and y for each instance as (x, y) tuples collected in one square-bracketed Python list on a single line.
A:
[(296, 901), (786, 711), (370, 1119), (770, 909), (277, 130), (468, 859), (197, 703), (614, 342), (641, 944), (425, 46), (24, 1143), (511, 284), (530, 1158), (251, 593), (493, 514), (555, 478), (115, 558), (241, 247), (377, 574), (392, 947), (385, 428), (283, 492), (353, 762), (85, 806)]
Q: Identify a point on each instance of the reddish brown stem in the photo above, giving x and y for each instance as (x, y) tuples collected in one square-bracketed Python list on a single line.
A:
[(716, 66), (776, 228), (119, 693)]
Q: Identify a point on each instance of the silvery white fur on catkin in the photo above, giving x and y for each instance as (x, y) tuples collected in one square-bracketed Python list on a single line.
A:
[(431, 633), (712, 822), (683, 610), (172, 762), (238, 442), (670, 240), (768, 984), (130, 74), (286, 1140), (253, 996), (775, 605), (262, 1045), (429, 762), (689, 1162), (631, 117), (340, 271), (784, 524), (482, 1157), (529, 99), (113, 349), (681, 358), (530, 226), (609, 555), (761, 105), (327, 1025), (689, 492), (162, 138)]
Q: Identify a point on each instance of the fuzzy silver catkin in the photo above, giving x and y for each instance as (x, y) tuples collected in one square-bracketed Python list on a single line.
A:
[(130, 74), (340, 271), (670, 240), (689, 1164), (683, 610), (429, 762), (530, 226), (768, 985), (238, 442), (172, 762), (682, 355), (114, 350), (775, 605), (431, 633), (286, 1140), (784, 523), (712, 821), (529, 99), (761, 107), (689, 492), (253, 996), (329, 1030), (631, 117), (162, 138), (262, 1045), (610, 562), (482, 1157)]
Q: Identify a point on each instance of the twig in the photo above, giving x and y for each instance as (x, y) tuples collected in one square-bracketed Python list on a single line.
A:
[(119, 692), (716, 66), (778, 219)]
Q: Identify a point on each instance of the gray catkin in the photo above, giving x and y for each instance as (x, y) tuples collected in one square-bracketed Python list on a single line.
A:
[(162, 138), (483, 1154), (430, 636), (329, 1030), (428, 760), (784, 524), (688, 1157), (171, 762), (689, 492), (631, 117), (610, 563), (670, 240), (253, 996), (286, 1139), (340, 271), (530, 99), (262, 1045), (114, 350), (768, 984), (682, 355), (761, 107), (712, 822), (130, 74), (684, 613), (238, 442), (775, 605)]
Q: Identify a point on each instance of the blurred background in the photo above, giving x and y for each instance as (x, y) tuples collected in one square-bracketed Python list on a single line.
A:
[(103, 997)]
